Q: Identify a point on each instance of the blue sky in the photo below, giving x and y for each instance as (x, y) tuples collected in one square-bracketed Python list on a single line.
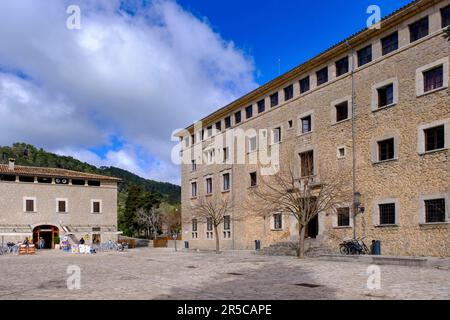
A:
[(113, 92), (291, 30)]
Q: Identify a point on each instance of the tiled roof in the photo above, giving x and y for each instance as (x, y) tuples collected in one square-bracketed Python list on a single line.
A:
[(52, 172)]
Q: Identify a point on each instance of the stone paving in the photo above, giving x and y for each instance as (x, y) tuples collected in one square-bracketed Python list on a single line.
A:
[(164, 274)]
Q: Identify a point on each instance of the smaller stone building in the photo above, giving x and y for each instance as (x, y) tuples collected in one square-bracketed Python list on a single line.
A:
[(52, 203)]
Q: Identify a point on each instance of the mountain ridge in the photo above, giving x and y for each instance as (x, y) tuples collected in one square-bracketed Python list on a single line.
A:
[(29, 155)]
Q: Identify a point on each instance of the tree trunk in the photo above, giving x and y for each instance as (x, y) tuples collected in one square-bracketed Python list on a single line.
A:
[(301, 242), (216, 234)]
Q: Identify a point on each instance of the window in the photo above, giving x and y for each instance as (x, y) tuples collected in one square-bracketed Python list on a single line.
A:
[(219, 126), (290, 124), (203, 134), (226, 223), (96, 206), (249, 112), (210, 155), (209, 224), (277, 221), (261, 106), (186, 142), (237, 117), (445, 15), (193, 189), (341, 153), (342, 111), (434, 138), (193, 139), (307, 163), (227, 122), (288, 93), (343, 217), (77, 182), (194, 228), (6, 177), (61, 206), (418, 29), (26, 179), (226, 154), (389, 43), (30, 205), (364, 55), (435, 210), (276, 135), (253, 179), (194, 165), (226, 181), (341, 67), (385, 95), (387, 213), (209, 131), (209, 186), (43, 180), (386, 150), (304, 85), (274, 100), (322, 76), (306, 124), (252, 144), (433, 79), (92, 183)]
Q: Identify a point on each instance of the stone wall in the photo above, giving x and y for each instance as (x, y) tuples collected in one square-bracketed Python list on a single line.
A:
[(407, 179)]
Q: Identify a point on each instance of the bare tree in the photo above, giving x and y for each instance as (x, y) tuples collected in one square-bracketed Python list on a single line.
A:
[(212, 211), (170, 218), (150, 219), (299, 193)]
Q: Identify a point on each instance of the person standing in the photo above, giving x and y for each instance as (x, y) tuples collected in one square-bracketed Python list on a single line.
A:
[(41, 243)]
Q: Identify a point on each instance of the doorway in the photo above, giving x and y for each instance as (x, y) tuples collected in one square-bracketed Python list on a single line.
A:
[(50, 234), (312, 229)]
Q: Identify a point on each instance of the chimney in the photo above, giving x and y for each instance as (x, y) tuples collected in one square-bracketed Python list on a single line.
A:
[(12, 162)]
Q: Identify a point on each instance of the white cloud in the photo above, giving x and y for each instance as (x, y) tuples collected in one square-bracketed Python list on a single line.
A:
[(138, 77)]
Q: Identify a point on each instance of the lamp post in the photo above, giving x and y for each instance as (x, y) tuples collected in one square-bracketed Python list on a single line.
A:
[(175, 237)]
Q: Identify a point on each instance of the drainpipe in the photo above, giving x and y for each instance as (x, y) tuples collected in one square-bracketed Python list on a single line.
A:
[(355, 204), (232, 205)]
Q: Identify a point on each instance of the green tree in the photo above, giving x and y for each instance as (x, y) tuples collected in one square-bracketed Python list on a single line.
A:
[(127, 222)]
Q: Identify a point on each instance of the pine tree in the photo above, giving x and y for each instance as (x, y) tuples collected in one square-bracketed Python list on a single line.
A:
[(128, 221)]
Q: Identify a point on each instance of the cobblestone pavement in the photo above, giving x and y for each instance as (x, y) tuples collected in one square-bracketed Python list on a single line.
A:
[(165, 274)]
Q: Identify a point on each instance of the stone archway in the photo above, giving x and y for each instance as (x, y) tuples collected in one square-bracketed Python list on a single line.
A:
[(48, 233)]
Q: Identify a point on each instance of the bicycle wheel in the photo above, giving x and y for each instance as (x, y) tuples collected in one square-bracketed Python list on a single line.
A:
[(343, 249), (353, 250)]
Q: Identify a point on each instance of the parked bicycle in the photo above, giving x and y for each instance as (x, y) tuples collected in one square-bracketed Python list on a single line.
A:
[(353, 247)]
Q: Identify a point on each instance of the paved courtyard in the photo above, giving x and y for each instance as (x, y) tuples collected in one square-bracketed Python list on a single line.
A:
[(165, 274)]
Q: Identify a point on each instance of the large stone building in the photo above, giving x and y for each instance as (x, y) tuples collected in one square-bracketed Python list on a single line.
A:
[(375, 107), (53, 203)]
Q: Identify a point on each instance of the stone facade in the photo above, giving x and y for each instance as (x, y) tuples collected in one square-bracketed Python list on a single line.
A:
[(409, 178), (77, 219)]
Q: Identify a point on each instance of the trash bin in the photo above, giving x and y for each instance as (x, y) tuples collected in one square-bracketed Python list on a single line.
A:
[(257, 245), (376, 247), (186, 244)]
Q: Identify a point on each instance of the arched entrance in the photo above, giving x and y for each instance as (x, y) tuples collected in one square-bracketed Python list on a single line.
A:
[(49, 233)]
